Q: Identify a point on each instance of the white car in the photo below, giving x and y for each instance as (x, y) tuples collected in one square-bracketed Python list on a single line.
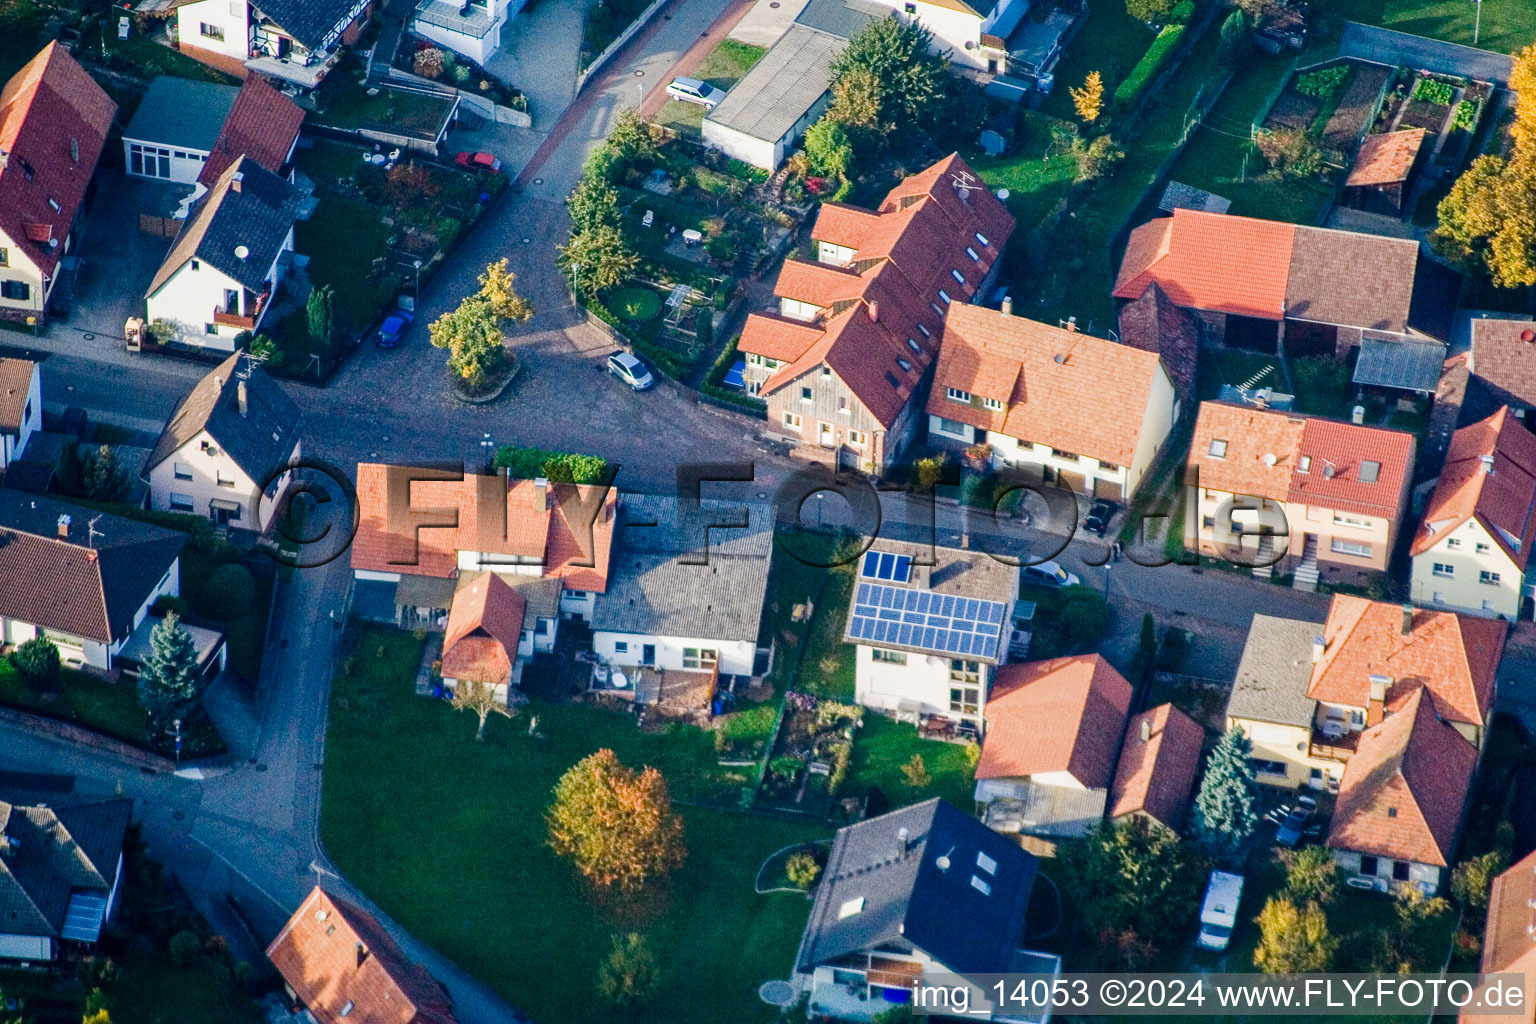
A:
[(1218, 914), (1050, 574), (691, 90), (630, 370)]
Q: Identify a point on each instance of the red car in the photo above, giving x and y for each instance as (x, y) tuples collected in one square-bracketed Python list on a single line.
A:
[(477, 162)]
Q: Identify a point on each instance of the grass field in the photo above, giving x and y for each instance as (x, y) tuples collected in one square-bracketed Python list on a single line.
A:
[(1507, 25), (882, 746), (722, 69), (448, 836)]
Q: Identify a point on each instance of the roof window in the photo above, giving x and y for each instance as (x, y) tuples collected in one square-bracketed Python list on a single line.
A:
[(985, 888), (1370, 471), (1218, 449), (850, 907), (986, 863)]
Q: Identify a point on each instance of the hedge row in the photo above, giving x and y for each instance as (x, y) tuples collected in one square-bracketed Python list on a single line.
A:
[(660, 358), (714, 389), (1150, 66), (561, 467)]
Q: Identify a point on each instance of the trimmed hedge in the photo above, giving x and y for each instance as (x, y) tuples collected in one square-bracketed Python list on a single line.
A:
[(659, 358), (1150, 66), (715, 390), (561, 467)]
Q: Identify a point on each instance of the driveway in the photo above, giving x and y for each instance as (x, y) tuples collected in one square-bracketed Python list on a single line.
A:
[(1399, 49), (118, 260)]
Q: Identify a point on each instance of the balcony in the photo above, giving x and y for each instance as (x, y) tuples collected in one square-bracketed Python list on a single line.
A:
[(1332, 744), (229, 314), (223, 319), (304, 71)]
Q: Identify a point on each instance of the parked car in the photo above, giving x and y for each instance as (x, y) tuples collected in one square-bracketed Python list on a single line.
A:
[(1218, 914), (630, 370), (477, 161), (1050, 574), (691, 90), (1293, 828), (395, 324), (1099, 516)]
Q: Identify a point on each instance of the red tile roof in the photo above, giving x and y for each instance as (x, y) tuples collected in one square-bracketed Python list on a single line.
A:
[(1455, 657), (1509, 939), (415, 520), (262, 125), (907, 253), (1062, 715), (53, 123), (1211, 261), (1092, 402), (1154, 323), (1386, 158), (1404, 788), (1156, 776), (1504, 358), (485, 624), (346, 969), (1503, 501)]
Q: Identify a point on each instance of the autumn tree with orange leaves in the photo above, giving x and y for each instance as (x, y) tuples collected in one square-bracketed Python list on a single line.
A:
[(614, 823)]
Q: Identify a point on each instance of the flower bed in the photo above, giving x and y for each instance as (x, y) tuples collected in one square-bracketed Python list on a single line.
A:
[(808, 763)]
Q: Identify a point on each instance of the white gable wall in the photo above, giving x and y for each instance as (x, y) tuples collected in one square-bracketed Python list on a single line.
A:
[(12, 445), (189, 298), (229, 18), (189, 481), (20, 269), (735, 657)]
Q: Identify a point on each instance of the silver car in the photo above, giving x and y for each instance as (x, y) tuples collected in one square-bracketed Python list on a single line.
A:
[(630, 370), (692, 90)]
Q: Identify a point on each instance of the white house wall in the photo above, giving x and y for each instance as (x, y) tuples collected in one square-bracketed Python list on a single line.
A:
[(26, 947), (185, 164), (19, 267), (13, 445), (199, 470), (229, 15), (735, 657), (763, 153), (1425, 876), (1462, 591), (189, 299), (923, 680)]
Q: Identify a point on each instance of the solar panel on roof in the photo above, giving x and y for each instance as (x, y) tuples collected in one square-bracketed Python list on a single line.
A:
[(883, 565), (943, 624)]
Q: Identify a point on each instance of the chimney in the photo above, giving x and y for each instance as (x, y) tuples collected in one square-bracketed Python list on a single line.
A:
[(540, 494), (1486, 464), (1379, 685), (874, 310), (1319, 648), (1072, 325), (1528, 336), (1146, 730), (64, 522), (362, 954), (237, 181), (242, 397), (1407, 619), (1007, 305), (903, 842)]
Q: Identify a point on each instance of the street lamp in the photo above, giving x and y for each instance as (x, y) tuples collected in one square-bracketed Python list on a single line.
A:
[(176, 725), (487, 449), (819, 496), (1477, 27), (416, 294), (1107, 567)]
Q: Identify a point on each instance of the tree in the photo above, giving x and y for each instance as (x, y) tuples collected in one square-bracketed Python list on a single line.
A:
[(1089, 99), (480, 697), (105, 479), (858, 102), (1405, 945), (1311, 875), (69, 468), (593, 204), (886, 77), (598, 259), (228, 594), (1290, 152), (1473, 878), (1226, 808), (320, 309), (98, 1016), (1236, 39), (473, 337), (628, 974), (1292, 939), (499, 287), (38, 662), (1148, 10), (1252, 9), (916, 773), (616, 824), (801, 869), (630, 139), (185, 948), (168, 680), (828, 149), (1099, 158)]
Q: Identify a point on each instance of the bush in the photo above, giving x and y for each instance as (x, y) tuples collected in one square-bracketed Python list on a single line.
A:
[(561, 467), (38, 662), (185, 948), (1324, 83), (1148, 10), (1149, 67), (801, 869), (1183, 13), (1432, 90), (1465, 117), (228, 593), (169, 603)]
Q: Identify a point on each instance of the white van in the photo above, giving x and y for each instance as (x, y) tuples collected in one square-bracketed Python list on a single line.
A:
[(1218, 915)]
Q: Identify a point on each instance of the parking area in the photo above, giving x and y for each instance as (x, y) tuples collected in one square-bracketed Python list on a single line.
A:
[(118, 261)]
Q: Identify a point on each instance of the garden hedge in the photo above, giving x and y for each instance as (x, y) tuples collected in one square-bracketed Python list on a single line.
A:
[(1150, 66), (714, 389)]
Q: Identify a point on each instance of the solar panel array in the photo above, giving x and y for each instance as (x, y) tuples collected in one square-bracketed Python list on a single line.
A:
[(940, 623), (882, 565)]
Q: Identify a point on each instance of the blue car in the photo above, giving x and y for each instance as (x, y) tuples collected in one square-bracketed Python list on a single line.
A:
[(736, 377), (394, 325)]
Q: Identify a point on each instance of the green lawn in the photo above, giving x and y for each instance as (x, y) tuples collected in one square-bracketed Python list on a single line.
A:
[(1035, 183), (634, 302), (1110, 42), (149, 58), (1507, 25), (153, 990), (447, 835), (722, 69), (20, 23), (883, 745), (828, 666), (391, 109)]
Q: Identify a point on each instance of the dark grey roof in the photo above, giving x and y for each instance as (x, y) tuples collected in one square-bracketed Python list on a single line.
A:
[(90, 588), (308, 21), (248, 208), (1179, 196), (873, 892), (260, 442), (52, 854), (842, 18), (1436, 296), (782, 86), (182, 113), (1272, 678), (652, 591), (1402, 364)]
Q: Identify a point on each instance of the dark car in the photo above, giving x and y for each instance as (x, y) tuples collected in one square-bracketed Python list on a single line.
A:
[(1294, 827), (394, 325), (1099, 516)]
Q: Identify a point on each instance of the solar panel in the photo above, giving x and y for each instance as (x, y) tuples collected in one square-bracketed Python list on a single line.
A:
[(84, 917), (941, 623), (883, 565)]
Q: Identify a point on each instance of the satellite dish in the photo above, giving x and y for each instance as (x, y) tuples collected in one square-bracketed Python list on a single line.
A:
[(1003, 194), (242, 251), (942, 862), (1269, 459), (1060, 357)]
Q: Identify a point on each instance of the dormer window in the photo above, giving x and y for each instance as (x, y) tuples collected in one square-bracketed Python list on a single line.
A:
[(982, 238), (958, 395), (993, 404), (959, 277), (54, 205), (906, 366), (945, 296), (911, 342), (972, 254), (923, 330)]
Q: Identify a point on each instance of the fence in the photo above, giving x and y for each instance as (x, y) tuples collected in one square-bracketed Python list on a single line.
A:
[(614, 47), (479, 104)]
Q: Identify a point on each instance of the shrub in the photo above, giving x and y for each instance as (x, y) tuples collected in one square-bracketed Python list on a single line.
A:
[(1432, 90), (1324, 83), (228, 593), (801, 869), (38, 662), (527, 463), (916, 773), (169, 603), (1148, 10), (1149, 67), (1183, 13), (428, 63), (1465, 117), (185, 947), (842, 756)]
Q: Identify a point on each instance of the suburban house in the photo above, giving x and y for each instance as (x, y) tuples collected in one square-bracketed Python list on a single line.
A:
[(1159, 762), (767, 111), (1260, 284), (1473, 548), (339, 964), (1503, 363), (1509, 937), (1053, 731), (224, 268), (115, 569), (1269, 703), (676, 617), (54, 121), (263, 125), (422, 530), (1021, 38), (226, 445), (1401, 801), (472, 28), (1288, 493), (295, 41), (60, 868), (21, 407), (929, 637), (1088, 412), (174, 128), (920, 895), (490, 632), (843, 363)]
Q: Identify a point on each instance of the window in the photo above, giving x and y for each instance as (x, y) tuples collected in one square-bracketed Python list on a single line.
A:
[(1442, 569), (936, 309), (755, 359), (210, 328), (805, 394), (1350, 547), (856, 439), (890, 378), (621, 647), (196, 265), (923, 330), (208, 31), (182, 471), (1482, 548), (986, 863), (982, 238), (1391, 812), (1400, 870), (5, 257), (1343, 520), (1368, 865), (181, 502), (906, 367), (959, 277), (945, 296), (1485, 576), (964, 700), (1452, 542), (993, 404), (1209, 522), (19, 291), (952, 427), (1370, 471), (699, 657), (889, 657), (964, 671), (792, 421), (985, 888), (826, 371), (1264, 767), (911, 342), (957, 395), (842, 405), (1108, 466), (1218, 449), (1304, 464), (972, 254)]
